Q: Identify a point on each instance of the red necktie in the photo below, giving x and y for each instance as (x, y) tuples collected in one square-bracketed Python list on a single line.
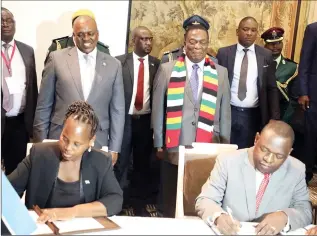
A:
[(139, 94), (261, 190)]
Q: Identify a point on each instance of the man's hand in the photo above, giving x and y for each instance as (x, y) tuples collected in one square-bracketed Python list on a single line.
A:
[(160, 153), (114, 156), (226, 226), (55, 214), (312, 231), (272, 224), (304, 102)]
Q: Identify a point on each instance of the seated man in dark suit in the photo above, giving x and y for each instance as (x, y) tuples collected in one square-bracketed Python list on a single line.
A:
[(69, 178)]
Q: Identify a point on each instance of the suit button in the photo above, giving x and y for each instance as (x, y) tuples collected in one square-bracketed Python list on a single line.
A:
[(196, 109), (193, 123)]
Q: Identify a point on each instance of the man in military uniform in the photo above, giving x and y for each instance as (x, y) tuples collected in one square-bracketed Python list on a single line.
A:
[(287, 83), (175, 53), (286, 72), (67, 41)]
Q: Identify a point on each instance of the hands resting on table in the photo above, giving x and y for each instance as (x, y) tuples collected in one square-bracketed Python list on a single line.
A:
[(270, 224), (54, 214), (312, 231)]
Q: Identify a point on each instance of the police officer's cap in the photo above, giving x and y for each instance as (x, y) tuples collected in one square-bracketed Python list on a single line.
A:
[(83, 12), (195, 20), (274, 34)]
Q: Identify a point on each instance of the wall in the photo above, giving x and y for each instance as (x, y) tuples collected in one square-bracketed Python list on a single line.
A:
[(38, 22)]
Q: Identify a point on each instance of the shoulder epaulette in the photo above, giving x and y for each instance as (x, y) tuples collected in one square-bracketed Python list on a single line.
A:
[(290, 60), (102, 44), (61, 38), (174, 50)]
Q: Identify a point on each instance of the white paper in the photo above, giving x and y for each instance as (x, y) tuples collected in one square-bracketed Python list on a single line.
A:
[(247, 228), (76, 224), (15, 85)]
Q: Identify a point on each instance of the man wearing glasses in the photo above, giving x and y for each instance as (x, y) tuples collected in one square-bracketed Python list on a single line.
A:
[(260, 184), (18, 95), (191, 103), (82, 73)]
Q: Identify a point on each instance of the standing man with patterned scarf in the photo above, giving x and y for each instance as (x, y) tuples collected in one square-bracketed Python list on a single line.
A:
[(191, 103)]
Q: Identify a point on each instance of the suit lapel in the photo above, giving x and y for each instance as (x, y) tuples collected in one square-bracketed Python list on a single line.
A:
[(88, 178), (50, 174), (25, 61), (101, 66), (260, 64), (231, 60), (276, 180), (129, 62), (248, 173), (73, 65), (152, 70)]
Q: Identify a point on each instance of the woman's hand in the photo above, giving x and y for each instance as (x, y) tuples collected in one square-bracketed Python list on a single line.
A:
[(54, 214)]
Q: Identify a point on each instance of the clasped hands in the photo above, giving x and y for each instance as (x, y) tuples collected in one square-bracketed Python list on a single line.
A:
[(271, 224), (55, 214)]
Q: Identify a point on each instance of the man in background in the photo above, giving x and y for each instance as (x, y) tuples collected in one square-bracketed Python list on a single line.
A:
[(19, 94), (308, 95), (260, 184), (68, 41), (138, 71), (254, 94), (82, 73), (191, 103)]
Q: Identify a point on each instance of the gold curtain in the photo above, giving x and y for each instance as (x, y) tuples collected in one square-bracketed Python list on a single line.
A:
[(165, 19)]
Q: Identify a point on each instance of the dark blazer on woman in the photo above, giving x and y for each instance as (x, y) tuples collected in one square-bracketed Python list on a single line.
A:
[(37, 173)]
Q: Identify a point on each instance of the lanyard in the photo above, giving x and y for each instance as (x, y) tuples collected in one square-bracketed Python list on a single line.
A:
[(8, 63)]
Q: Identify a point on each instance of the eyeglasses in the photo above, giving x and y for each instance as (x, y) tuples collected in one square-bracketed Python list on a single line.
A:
[(82, 35), (8, 21), (268, 153)]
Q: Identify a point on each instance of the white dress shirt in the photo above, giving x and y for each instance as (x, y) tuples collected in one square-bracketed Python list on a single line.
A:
[(200, 71), (87, 70), (19, 76), (146, 109), (278, 60), (252, 99)]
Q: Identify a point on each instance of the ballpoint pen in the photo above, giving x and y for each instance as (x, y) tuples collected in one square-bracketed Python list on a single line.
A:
[(230, 214), (51, 225)]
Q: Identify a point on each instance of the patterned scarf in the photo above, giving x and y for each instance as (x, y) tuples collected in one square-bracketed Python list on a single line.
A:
[(175, 102)]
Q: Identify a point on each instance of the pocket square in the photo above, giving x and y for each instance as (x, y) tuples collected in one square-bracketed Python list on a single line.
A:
[(266, 66), (87, 182)]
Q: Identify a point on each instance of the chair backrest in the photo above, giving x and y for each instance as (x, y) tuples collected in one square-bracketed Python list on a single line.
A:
[(194, 167)]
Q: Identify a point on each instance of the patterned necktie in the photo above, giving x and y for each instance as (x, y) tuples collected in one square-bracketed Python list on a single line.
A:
[(139, 94), (194, 81), (261, 190), (7, 102), (242, 90)]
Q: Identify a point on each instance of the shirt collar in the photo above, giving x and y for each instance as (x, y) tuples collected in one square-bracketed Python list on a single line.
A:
[(278, 60), (240, 47), (136, 57), (190, 64), (10, 43), (92, 54)]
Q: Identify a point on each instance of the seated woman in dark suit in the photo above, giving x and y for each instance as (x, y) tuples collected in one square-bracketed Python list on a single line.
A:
[(69, 178)]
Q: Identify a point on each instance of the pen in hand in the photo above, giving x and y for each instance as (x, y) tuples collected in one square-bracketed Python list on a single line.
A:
[(233, 220)]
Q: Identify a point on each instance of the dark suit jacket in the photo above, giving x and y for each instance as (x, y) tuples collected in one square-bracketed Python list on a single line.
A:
[(308, 63), (267, 89), (27, 54), (128, 76), (37, 173)]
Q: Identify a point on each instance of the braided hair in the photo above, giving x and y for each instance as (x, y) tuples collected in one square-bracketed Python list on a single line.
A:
[(84, 113)]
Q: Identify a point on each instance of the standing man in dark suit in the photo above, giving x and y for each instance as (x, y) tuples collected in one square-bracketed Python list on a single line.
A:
[(87, 74), (19, 94), (308, 95), (254, 94), (139, 69)]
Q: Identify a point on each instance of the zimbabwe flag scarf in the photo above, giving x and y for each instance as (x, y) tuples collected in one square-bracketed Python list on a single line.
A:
[(175, 102)]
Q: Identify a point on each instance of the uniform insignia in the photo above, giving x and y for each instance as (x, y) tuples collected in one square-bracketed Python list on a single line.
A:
[(283, 61), (195, 23), (274, 34), (166, 52), (58, 45)]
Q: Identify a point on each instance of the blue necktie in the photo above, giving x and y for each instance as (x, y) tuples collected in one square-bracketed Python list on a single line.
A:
[(194, 81)]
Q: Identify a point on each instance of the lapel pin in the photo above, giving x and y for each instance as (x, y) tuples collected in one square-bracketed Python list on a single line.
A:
[(104, 64), (87, 182), (152, 64)]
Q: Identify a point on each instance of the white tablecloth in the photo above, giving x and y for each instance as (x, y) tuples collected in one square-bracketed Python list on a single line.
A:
[(157, 226)]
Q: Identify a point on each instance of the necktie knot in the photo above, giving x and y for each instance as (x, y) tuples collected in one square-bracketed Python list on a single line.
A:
[(141, 60), (266, 176), (195, 66), (6, 45), (245, 50)]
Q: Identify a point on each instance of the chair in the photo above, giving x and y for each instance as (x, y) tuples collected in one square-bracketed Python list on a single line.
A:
[(194, 167)]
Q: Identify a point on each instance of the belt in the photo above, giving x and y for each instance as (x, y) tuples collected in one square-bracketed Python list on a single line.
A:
[(137, 117), (248, 109)]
